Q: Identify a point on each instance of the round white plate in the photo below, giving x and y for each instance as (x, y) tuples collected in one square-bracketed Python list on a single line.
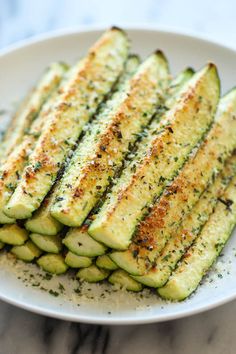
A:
[(20, 66)]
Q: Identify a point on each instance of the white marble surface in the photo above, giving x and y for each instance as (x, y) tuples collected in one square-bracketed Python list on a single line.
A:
[(25, 333)]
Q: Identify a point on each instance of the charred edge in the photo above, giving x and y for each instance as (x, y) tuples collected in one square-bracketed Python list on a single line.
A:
[(190, 70), (116, 28), (134, 56), (160, 53)]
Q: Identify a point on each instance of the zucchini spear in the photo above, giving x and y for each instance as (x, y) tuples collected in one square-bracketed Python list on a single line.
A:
[(74, 261), (78, 240), (123, 279), (105, 262), (12, 167), (13, 235), (49, 244), (189, 229), (52, 263), (91, 169), (30, 108), (202, 254), (181, 195), (92, 274)]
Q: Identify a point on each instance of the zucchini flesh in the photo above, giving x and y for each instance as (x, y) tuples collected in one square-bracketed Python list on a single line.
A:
[(178, 199), (131, 197), (22, 121), (13, 166), (81, 243), (52, 263), (189, 229), (123, 279), (49, 244), (105, 262), (205, 250), (92, 274), (42, 220), (27, 252), (133, 108), (13, 235), (92, 79), (74, 261)]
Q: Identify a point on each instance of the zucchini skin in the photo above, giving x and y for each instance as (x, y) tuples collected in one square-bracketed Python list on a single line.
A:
[(205, 250), (12, 167), (189, 229), (30, 108), (42, 221), (123, 124), (183, 193), (134, 193), (92, 79)]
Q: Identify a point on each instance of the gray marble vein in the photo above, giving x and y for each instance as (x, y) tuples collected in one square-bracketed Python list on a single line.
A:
[(22, 332), (210, 332)]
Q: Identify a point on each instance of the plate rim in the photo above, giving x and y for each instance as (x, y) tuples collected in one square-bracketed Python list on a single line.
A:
[(105, 320), (63, 32)]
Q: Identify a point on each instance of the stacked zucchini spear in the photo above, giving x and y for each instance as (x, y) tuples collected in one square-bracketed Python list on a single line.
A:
[(115, 169)]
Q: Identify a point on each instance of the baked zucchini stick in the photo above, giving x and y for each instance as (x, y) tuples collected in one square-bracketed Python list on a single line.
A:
[(133, 108), (12, 167), (92, 274), (189, 229), (92, 80), (77, 239), (145, 180), (30, 109), (52, 263), (42, 222), (74, 261), (180, 197), (49, 244), (121, 278), (13, 235), (205, 250)]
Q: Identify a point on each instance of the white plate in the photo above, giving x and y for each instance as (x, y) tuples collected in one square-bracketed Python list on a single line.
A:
[(19, 68)]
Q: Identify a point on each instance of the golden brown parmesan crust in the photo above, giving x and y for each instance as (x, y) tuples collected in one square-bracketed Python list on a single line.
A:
[(110, 146)]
